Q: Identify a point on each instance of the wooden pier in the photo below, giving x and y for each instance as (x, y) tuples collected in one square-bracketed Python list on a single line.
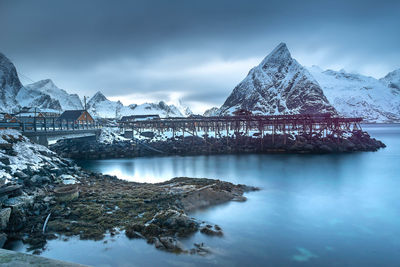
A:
[(258, 126)]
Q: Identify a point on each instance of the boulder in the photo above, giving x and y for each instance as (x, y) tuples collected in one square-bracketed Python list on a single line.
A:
[(175, 220), (5, 160), (3, 239), (157, 243), (19, 202), (151, 230), (20, 175), (208, 230), (4, 218), (171, 243)]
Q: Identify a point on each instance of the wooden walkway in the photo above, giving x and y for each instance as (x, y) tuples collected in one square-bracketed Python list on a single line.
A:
[(43, 126)]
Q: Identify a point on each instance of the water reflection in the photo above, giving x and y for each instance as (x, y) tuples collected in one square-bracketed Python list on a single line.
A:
[(314, 210)]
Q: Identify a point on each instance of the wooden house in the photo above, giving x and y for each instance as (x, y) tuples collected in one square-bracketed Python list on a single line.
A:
[(76, 116)]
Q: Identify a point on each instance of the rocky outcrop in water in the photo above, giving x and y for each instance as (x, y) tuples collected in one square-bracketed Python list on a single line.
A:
[(43, 196), (192, 145)]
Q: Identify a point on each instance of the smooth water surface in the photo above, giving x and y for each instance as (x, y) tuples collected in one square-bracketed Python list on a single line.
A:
[(313, 210)]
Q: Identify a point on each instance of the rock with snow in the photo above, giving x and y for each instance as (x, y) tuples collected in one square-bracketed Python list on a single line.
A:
[(214, 111), (356, 95), (23, 155), (110, 135), (278, 85), (9, 85)]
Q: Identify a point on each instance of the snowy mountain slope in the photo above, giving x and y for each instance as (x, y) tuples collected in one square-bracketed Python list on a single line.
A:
[(33, 98), (211, 112), (184, 110), (278, 85), (160, 108), (100, 106), (356, 95), (47, 89), (392, 80), (9, 85)]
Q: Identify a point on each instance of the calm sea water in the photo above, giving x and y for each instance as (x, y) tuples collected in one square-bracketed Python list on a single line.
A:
[(313, 210)]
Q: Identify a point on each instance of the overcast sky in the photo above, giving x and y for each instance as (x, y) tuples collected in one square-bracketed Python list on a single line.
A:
[(196, 51)]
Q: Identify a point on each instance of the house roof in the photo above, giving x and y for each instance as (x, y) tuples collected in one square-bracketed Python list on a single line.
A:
[(71, 115)]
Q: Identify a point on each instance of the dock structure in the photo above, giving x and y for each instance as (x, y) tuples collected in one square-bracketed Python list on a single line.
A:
[(257, 125)]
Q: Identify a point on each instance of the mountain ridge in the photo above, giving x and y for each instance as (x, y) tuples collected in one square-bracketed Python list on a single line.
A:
[(357, 95)]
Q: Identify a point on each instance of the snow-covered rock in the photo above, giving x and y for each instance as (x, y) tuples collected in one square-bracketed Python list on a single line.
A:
[(9, 85), (101, 107), (214, 111), (25, 154), (110, 135), (45, 95), (278, 85), (355, 95)]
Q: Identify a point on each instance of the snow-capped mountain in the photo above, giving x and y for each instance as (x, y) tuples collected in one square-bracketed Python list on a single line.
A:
[(185, 110), (101, 107), (9, 85), (278, 85), (33, 98), (46, 96), (214, 111), (355, 95)]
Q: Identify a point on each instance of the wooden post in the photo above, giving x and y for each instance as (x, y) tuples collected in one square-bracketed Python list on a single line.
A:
[(284, 132), (273, 133), (227, 134), (262, 135)]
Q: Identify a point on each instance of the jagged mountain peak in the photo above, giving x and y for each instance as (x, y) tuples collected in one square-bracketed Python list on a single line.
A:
[(279, 54), (98, 97), (278, 85)]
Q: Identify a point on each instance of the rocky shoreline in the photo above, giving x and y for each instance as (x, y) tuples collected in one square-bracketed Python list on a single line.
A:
[(33, 209), (191, 145)]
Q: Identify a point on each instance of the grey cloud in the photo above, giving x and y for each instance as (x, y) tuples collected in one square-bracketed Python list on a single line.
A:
[(68, 40)]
